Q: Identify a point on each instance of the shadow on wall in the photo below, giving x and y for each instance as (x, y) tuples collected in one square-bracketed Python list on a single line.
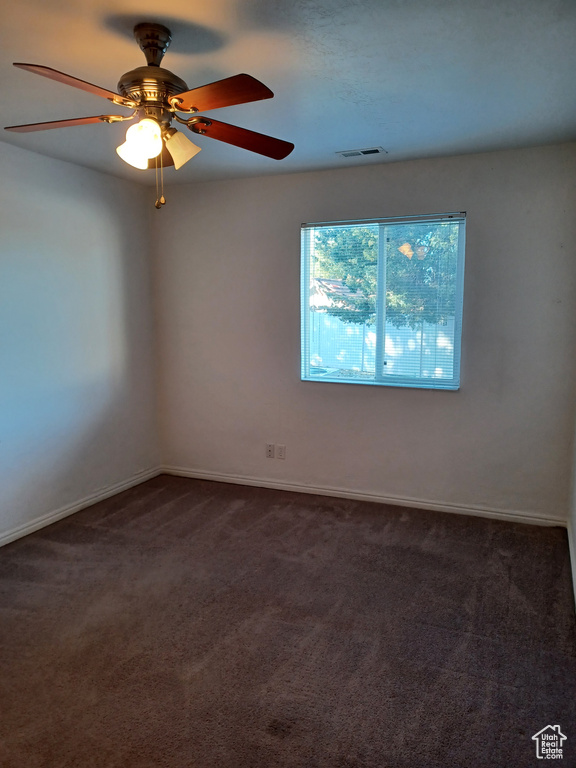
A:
[(76, 343)]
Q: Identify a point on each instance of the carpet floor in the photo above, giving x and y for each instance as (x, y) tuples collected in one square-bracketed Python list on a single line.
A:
[(190, 624)]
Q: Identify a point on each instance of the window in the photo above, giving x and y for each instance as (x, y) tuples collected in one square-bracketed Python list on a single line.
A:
[(382, 301)]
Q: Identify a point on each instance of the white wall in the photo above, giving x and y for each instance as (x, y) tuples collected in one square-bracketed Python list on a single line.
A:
[(228, 312), (572, 527), (76, 373)]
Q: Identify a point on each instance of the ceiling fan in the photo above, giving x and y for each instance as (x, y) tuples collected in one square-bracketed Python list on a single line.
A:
[(156, 95)]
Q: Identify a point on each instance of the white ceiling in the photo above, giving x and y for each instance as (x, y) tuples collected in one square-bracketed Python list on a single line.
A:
[(418, 77)]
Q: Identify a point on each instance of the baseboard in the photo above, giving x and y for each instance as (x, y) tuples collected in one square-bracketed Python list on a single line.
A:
[(141, 477), (58, 514), (437, 506)]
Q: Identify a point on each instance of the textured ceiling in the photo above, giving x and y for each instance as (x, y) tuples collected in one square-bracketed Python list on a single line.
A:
[(417, 78)]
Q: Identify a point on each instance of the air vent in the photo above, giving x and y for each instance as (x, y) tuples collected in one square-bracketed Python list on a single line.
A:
[(360, 152)]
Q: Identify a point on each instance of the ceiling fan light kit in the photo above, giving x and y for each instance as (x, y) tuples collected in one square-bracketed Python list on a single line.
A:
[(155, 95), (180, 147), (143, 142)]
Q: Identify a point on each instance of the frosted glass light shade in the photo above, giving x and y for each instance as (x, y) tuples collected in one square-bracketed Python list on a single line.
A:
[(180, 147), (132, 156), (143, 141)]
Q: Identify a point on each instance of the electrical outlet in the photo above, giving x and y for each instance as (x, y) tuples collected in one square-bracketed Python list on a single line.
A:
[(269, 450), (280, 451)]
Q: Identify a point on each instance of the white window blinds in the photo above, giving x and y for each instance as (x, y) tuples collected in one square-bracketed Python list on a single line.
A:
[(382, 301)]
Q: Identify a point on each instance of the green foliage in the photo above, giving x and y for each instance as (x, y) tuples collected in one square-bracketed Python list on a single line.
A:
[(420, 278)]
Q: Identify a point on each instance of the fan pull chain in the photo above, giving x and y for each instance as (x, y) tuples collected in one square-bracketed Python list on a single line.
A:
[(157, 203), (160, 199)]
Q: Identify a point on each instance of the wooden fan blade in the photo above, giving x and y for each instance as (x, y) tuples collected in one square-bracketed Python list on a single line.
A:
[(241, 137), (61, 77), (63, 123), (239, 89)]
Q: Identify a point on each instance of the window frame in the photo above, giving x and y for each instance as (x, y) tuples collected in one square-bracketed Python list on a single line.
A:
[(380, 379)]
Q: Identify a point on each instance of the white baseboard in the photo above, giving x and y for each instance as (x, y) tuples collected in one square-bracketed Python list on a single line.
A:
[(58, 514), (141, 477), (437, 506)]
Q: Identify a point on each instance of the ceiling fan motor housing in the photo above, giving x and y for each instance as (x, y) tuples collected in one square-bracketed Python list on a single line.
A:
[(152, 87)]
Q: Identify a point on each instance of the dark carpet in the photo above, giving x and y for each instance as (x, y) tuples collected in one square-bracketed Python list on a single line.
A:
[(191, 624)]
